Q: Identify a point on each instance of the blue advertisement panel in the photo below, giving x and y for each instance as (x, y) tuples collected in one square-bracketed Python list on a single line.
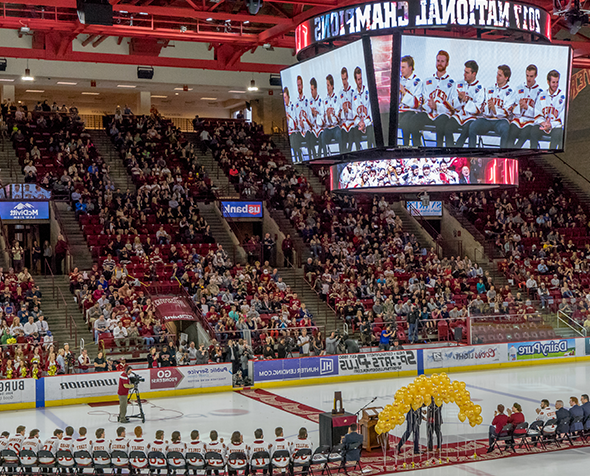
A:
[(24, 210), (241, 209), (285, 369), (548, 349), (433, 209)]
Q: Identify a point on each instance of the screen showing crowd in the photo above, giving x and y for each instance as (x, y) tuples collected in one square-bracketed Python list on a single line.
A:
[(436, 171), (328, 104), (478, 94)]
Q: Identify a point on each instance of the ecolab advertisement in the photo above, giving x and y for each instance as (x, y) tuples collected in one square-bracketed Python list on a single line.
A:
[(241, 209)]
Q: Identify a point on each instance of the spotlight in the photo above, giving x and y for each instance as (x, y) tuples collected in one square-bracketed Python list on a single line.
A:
[(253, 87)]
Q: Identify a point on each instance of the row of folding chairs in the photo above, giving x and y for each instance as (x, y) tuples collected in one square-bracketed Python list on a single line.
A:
[(552, 431), (324, 459)]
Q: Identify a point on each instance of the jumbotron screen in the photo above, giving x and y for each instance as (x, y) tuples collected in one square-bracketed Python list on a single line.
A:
[(475, 94), (328, 104), (436, 173)]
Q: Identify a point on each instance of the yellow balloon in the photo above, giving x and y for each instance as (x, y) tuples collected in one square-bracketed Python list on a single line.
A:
[(415, 405), (446, 399), (412, 389), (462, 385), (477, 409), (472, 423), (438, 401), (461, 417), (427, 399), (444, 375), (479, 419)]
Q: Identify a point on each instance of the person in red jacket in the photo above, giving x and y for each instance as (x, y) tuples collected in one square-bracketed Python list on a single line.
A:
[(499, 421)]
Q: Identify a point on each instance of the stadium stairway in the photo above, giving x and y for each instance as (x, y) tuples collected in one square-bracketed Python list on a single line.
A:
[(324, 317), (221, 231), (81, 256), (110, 155), (222, 186), (10, 169), (574, 182), (55, 313)]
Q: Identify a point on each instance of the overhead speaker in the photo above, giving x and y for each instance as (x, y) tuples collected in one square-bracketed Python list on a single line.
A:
[(95, 12), (254, 6), (275, 80), (145, 72)]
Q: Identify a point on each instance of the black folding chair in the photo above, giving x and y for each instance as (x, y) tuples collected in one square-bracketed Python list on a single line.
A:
[(534, 433), (300, 461), (119, 460), (65, 461), (280, 460), (214, 461), (46, 461), (9, 461), (237, 462), (27, 459), (260, 461), (101, 460), (577, 421), (519, 435), (506, 436), (357, 462), (138, 462), (319, 459), (563, 431), (335, 456), (83, 460), (157, 461), (549, 433), (195, 462), (176, 462)]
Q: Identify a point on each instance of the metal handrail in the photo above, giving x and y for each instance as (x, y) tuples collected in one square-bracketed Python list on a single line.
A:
[(438, 238), (48, 266), (68, 258), (573, 325)]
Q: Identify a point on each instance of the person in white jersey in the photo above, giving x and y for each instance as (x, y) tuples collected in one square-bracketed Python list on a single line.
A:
[(280, 444), (331, 132), (194, 447), (525, 100), (83, 443), (215, 446), (411, 99), (103, 445), (141, 445), (175, 446), (345, 112), (32, 443), (237, 445), (302, 442), (468, 104), (549, 112), (363, 116), (121, 443), (258, 446), (4, 437), (66, 445), (159, 445)]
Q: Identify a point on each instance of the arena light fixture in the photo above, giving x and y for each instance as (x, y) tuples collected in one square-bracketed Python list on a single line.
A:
[(66, 83), (208, 99), (237, 92), (252, 88), (158, 97), (27, 76), (35, 91), (130, 86), (86, 93), (7, 80)]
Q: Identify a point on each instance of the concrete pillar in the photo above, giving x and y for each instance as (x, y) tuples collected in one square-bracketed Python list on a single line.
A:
[(144, 102), (8, 92)]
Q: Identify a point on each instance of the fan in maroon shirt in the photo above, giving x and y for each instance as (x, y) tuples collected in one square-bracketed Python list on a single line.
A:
[(500, 420)]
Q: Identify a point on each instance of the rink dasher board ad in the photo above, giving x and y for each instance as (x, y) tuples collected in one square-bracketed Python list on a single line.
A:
[(161, 382), (17, 393)]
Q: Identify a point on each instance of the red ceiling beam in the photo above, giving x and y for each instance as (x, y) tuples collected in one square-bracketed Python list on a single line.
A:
[(139, 60), (88, 40), (312, 3)]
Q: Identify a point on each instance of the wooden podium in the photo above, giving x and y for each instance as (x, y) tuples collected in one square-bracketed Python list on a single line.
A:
[(371, 440)]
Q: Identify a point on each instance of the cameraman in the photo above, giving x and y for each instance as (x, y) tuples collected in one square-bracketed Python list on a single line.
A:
[(124, 387), (332, 343)]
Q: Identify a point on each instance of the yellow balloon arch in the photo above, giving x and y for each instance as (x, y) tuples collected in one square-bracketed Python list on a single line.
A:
[(423, 391)]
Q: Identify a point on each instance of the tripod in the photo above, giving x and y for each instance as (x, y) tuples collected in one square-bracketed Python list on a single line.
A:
[(135, 391)]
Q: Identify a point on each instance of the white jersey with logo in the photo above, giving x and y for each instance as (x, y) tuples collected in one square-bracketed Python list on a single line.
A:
[(300, 444), (525, 117), (32, 444), (280, 444), (472, 107), (550, 107), (546, 413), (413, 98), (101, 445), (441, 91), (216, 447), (291, 117), (303, 115), (316, 115), (65, 444), (361, 106), (331, 111), (179, 446), (160, 446), (141, 445), (239, 448), (120, 444), (15, 443), (258, 446), (503, 100), (196, 446), (345, 112), (82, 444), (50, 444), (3, 442)]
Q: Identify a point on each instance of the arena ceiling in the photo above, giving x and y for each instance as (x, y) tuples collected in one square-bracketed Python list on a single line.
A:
[(225, 26)]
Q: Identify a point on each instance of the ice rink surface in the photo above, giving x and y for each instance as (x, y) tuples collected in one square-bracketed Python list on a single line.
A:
[(227, 412)]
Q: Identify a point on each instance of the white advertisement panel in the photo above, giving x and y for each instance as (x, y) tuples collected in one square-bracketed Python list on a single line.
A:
[(377, 362), (465, 356), (21, 390), (80, 386)]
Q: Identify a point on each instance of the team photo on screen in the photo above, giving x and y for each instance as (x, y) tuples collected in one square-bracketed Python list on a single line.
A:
[(328, 105), (479, 94), (425, 171)]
